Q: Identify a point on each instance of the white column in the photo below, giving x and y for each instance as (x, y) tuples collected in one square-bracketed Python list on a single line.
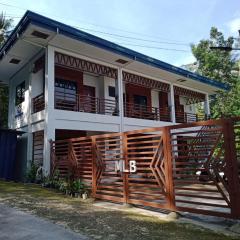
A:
[(206, 105), (172, 104), (49, 126), (29, 116), (120, 99)]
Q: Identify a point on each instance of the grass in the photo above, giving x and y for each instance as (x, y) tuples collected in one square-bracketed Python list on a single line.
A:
[(95, 222)]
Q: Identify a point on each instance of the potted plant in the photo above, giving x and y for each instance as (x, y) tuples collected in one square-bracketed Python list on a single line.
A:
[(85, 195), (76, 187)]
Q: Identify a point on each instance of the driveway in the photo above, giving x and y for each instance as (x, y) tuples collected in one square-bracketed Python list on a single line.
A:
[(16, 225)]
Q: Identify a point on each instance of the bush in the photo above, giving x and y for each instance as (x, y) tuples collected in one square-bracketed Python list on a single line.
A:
[(69, 185), (32, 173)]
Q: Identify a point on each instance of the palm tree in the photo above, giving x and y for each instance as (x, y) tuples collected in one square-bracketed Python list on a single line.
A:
[(5, 25)]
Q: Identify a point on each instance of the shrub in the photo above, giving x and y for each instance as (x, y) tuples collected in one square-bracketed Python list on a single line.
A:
[(32, 173)]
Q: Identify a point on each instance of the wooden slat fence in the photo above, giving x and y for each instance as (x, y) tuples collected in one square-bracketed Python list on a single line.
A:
[(37, 147), (190, 167)]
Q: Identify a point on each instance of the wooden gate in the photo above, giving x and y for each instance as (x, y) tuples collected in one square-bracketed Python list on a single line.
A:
[(205, 169), (108, 184), (187, 167)]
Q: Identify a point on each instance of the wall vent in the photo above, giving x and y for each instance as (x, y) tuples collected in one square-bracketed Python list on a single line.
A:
[(39, 34), (181, 80), (15, 61), (122, 61)]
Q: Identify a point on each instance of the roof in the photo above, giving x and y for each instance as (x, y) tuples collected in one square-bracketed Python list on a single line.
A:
[(41, 21)]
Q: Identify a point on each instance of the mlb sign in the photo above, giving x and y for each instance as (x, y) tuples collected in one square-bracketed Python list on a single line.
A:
[(120, 166)]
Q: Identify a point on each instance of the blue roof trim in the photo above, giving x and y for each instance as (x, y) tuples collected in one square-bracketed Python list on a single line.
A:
[(39, 20)]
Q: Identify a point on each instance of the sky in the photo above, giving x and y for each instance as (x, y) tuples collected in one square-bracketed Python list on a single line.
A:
[(163, 29)]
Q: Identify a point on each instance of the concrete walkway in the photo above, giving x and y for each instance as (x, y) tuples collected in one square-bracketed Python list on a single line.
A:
[(17, 225)]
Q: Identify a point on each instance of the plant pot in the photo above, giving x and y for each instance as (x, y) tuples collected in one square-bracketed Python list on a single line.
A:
[(76, 195), (67, 192), (84, 196)]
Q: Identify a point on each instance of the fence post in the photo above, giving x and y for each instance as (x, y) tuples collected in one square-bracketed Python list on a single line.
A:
[(94, 167), (169, 168), (125, 175), (232, 167)]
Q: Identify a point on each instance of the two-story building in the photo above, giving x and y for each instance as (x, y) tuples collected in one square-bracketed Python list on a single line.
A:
[(66, 83)]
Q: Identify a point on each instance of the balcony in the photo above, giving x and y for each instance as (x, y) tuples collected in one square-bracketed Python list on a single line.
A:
[(38, 103), (186, 117), (146, 112), (83, 103)]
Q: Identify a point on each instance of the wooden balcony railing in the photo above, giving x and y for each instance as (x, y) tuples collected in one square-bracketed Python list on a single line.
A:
[(185, 117), (38, 103), (146, 112), (83, 103)]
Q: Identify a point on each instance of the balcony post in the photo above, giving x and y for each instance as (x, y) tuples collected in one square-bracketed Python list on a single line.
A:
[(172, 104), (120, 99), (49, 125), (206, 106)]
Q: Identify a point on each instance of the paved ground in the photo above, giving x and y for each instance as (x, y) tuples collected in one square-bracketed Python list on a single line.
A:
[(18, 225)]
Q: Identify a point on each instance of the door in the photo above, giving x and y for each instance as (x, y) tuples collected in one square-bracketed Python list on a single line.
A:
[(179, 110), (163, 107), (89, 100), (140, 106)]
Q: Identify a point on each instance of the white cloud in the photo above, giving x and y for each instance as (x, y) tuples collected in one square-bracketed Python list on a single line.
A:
[(184, 60), (234, 25)]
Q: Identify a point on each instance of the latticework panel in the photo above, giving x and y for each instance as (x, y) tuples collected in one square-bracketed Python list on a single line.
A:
[(147, 186), (199, 172), (109, 180)]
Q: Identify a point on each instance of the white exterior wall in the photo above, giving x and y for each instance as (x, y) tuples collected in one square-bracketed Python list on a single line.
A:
[(22, 76), (189, 108), (28, 122), (101, 85), (155, 98), (108, 82), (37, 83), (92, 81)]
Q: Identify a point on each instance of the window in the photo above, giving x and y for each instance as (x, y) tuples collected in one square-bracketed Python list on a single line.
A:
[(111, 91), (140, 100), (20, 93), (65, 90)]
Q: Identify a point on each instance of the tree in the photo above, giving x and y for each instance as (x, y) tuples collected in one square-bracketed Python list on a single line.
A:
[(219, 65), (5, 25)]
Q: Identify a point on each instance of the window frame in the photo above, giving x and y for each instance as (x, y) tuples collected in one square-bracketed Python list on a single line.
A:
[(20, 93), (111, 89), (66, 85)]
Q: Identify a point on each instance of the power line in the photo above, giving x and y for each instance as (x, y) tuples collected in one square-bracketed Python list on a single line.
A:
[(127, 37), (165, 42), (133, 38), (153, 47), (9, 5)]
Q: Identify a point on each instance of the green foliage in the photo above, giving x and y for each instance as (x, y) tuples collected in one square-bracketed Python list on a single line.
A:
[(221, 66), (32, 173), (5, 25), (67, 185), (3, 107), (77, 186)]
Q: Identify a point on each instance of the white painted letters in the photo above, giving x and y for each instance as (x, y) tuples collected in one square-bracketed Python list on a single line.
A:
[(120, 166), (132, 166)]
